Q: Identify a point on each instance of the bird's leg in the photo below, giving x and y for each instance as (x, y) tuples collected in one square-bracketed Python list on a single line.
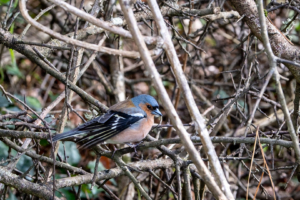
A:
[(115, 149), (140, 142), (134, 145)]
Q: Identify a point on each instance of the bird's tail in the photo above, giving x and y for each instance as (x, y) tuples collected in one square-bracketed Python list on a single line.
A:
[(66, 134)]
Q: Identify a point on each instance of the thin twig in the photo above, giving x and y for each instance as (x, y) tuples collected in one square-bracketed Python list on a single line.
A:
[(272, 61)]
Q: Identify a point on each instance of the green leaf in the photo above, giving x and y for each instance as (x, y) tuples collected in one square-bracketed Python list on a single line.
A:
[(3, 101), (1, 75), (72, 153), (37, 76), (44, 142), (266, 12), (297, 26), (211, 41), (91, 166), (52, 96), (34, 103), (179, 26), (25, 163), (153, 91), (3, 150), (4, 2), (266, 149), (65, 192), (16, 3), (11, 194), (85, 189), (242, 105), (14, 70), (167, 83), (221, 94)]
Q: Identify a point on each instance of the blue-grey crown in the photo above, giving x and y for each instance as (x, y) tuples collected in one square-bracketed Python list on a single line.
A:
[(144, 98)]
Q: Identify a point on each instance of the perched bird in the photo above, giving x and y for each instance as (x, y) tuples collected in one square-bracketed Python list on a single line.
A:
[(125, 122)]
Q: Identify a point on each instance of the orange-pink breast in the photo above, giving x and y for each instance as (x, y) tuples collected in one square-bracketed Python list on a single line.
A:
[(135, 133)]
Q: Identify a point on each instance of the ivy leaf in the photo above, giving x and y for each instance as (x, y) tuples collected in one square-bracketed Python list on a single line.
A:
[(266, 12)]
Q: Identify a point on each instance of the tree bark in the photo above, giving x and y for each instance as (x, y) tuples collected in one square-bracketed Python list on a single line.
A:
[(280, 45)]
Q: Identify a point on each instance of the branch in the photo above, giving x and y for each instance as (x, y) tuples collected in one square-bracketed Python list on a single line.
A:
[(171, 11), (280, 46), (130, 54), (192, 107), (23, 134), (272, 61), (7, 39), (93, 20), (22, 185), (167, 104), (33, 155), (112, 173)]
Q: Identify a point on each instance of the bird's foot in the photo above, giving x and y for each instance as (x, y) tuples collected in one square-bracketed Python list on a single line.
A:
[(115, 150), (134, 145)]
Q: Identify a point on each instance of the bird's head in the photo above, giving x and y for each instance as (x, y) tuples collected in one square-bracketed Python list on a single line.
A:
[(147, 103)]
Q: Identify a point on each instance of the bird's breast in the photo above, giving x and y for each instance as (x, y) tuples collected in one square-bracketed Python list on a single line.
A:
[(135, 133)]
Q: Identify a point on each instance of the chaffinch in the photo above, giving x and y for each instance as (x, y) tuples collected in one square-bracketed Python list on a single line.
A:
[(125, 122)]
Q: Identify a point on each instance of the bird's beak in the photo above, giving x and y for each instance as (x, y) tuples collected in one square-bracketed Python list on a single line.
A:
[(156, 112)]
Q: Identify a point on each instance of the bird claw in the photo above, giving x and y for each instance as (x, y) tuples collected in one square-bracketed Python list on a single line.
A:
[(115, 150), (134, 145)]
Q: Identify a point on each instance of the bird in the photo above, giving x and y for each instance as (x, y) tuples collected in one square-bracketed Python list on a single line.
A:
[(126, 122)]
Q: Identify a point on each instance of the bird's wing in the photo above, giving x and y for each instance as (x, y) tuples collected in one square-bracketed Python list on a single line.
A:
[(83, 128), (119, 117), (100, 130)]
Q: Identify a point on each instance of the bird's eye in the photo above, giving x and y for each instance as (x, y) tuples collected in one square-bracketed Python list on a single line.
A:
[(149, 107)]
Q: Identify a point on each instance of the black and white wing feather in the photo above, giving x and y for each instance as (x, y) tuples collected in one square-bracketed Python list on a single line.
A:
[(101, 128)]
